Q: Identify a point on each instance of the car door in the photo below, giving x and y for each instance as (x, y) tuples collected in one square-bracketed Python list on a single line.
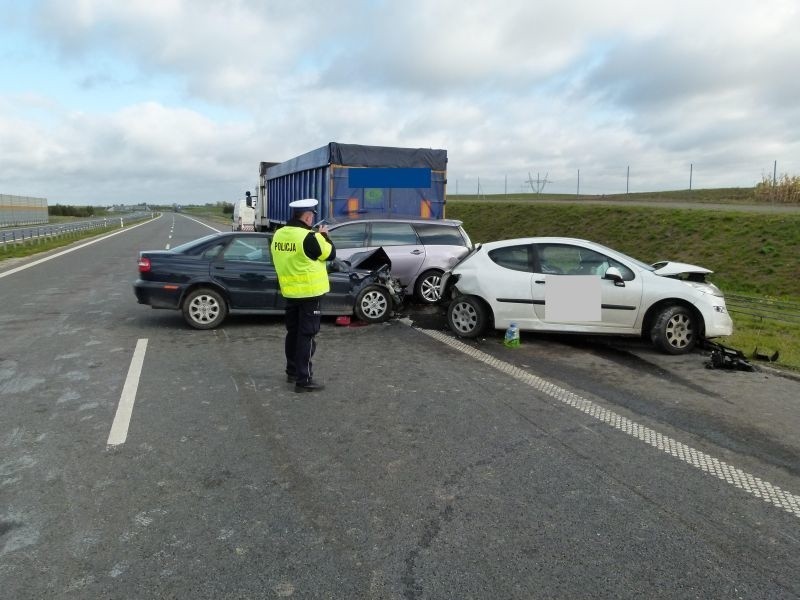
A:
[(509, 285), (619, 302), (444, 244), (402, 245), (244, 269)]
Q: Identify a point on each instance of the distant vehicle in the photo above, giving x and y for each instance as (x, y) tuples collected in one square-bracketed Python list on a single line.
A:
[(671, 304), (420, 250), (353, 181), (244, 215), (208, 278)]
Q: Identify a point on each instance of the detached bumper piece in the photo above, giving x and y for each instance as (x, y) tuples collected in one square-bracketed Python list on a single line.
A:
[(723, 357)]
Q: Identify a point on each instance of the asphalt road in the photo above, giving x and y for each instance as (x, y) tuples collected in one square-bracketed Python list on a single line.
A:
[(428, 468)]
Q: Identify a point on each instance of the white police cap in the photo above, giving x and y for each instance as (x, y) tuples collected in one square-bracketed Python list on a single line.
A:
[(305, 204)]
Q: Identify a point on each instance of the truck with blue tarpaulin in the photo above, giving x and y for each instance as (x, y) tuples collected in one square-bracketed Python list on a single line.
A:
[(353, 181)]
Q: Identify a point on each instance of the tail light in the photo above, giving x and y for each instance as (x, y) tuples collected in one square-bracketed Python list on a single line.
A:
[(144, 265)]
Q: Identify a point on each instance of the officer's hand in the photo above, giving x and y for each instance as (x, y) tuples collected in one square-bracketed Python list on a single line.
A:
[(323, 228)]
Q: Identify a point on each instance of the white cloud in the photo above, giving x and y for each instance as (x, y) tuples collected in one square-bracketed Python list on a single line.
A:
[(551, 86), (169, 153)]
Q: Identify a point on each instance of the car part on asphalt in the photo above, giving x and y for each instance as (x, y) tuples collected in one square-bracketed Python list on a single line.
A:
[(723, 357), (766, 357)]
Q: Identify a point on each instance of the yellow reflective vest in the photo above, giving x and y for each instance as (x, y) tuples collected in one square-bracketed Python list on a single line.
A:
[(298, 275)]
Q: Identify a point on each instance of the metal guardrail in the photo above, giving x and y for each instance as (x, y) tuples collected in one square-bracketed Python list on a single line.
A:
[(764, 308), (24, 235)]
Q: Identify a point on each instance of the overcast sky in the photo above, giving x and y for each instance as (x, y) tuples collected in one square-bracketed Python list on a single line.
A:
[(105, 101)]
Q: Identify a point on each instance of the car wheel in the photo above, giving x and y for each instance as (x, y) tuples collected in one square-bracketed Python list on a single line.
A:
[(467, 316), (426, 289), (674, 330), (204, 308), (373, 304)]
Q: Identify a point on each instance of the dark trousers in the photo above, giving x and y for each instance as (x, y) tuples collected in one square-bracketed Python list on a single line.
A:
[(302, 324)]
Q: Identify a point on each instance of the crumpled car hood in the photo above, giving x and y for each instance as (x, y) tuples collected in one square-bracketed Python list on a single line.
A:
[(371, 260), (371, 263), (670, 269)]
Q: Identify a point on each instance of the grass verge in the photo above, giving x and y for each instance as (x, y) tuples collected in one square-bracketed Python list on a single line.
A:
[(210, 213)]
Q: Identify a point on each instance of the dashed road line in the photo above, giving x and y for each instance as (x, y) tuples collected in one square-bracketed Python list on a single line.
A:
[(742, 480), (203, 224), (122, 420)]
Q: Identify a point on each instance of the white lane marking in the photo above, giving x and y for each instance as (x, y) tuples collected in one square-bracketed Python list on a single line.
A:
[(122, 420), (204, 224), (167, 248), (705, 462), (63, 252)]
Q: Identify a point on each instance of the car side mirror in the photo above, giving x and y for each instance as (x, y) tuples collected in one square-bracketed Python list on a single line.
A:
[(614, 275)]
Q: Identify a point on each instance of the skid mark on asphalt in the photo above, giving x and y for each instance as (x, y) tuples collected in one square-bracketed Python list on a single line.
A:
[(759, 488)]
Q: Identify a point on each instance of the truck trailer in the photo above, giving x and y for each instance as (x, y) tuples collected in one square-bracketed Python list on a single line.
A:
[(354, 182)]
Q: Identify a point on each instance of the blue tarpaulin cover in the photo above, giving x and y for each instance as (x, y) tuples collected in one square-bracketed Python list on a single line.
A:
[(355, 155), (353, 181)]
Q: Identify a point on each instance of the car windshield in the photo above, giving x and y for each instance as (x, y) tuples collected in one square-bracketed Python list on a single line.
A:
[(183, 248), (635, 261)]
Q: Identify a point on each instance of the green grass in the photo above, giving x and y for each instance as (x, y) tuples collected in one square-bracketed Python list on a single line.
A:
[(712, 196), (767, 336), (212, 213), (750, 253)]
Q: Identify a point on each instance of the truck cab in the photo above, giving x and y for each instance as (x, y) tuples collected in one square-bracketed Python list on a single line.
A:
[(244, 215)]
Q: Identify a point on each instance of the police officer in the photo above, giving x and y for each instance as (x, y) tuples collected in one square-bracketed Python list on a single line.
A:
[(299, 255)]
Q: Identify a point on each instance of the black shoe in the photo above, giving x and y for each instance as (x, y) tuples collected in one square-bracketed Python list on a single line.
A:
[(308, 386)]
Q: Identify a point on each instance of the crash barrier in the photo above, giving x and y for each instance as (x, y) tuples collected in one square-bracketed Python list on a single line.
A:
[(762, 310), (44, 233), (22, 210)]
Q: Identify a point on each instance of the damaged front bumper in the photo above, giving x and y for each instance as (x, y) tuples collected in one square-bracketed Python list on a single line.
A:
[(372, 267)]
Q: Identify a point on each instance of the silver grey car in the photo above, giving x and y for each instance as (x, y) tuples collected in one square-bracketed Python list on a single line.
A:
[(420, 250)]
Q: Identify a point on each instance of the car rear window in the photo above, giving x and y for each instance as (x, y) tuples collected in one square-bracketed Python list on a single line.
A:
[(191, 246), (434, 234), (516, 258)]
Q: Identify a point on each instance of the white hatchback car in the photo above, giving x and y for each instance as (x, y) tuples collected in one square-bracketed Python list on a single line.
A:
[(567, 285)]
